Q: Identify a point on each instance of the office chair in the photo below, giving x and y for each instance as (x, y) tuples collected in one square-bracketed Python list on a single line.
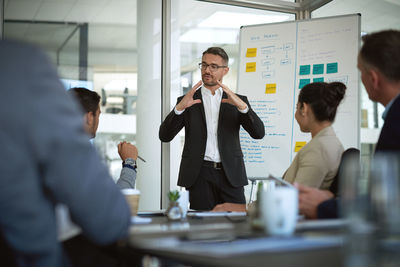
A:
[(346, 156)]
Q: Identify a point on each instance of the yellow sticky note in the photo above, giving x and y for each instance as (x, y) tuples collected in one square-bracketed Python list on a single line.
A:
[(270, 88), (299, 145), (251, 52), (251, 67)]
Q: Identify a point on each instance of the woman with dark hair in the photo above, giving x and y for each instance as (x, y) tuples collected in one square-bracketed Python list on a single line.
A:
[(316, 164)]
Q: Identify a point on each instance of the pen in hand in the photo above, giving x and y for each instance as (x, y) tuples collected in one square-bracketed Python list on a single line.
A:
[(128, 151)]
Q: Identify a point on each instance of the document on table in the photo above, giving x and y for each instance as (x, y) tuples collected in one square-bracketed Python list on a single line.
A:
[(140, 220), (216, 214), (180, 227)]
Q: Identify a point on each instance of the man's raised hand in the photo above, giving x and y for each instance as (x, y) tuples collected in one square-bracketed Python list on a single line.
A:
[(232, 99), (187, 100)]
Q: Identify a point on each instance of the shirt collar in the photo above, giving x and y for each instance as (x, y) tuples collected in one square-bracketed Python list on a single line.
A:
[(385, 112), (204, 90)]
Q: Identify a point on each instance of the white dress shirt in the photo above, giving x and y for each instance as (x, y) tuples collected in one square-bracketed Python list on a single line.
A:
[(211, 105)]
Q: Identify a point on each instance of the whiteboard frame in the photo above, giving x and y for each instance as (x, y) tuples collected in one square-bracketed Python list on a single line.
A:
[(241, 66)]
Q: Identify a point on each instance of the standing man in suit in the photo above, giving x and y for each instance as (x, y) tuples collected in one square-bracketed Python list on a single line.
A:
[(379, 64), (212, 167)]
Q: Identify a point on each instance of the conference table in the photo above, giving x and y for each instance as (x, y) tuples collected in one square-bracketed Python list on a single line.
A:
[(228, 239)]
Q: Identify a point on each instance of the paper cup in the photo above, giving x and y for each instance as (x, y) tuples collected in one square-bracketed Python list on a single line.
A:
[(132, 197)]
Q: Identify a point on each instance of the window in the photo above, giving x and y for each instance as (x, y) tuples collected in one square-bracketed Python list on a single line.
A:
[(195, 27)]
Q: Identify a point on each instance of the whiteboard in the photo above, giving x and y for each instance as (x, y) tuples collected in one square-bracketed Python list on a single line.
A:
[(276, 61)]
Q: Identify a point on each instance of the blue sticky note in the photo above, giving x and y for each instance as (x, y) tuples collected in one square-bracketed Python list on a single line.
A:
[(318, 69), (305, 69), (332, 67), (318, 80), (303, 82)]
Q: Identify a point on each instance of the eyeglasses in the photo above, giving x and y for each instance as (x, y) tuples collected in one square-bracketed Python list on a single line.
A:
[(213, 67)]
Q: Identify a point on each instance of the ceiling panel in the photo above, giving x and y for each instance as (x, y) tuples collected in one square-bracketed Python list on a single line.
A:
[(54, 11), (83, 12), (21, 9), (375, 14), (112, 23), (120, 12), (91, 11)]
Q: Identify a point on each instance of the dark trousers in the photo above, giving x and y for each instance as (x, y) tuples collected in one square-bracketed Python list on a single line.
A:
[(212, 188)]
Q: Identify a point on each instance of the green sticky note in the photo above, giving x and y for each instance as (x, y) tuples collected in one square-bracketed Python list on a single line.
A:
[(303, 82), (305, 69), (332, 67), (318, 80), (318, 69)]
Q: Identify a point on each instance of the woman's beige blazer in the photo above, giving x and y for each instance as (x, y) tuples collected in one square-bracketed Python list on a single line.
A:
[(316, 164)]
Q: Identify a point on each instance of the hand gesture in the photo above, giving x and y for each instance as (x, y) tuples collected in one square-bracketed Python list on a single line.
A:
[(127, 150), (187, 100), (232, 99), (229, 207)]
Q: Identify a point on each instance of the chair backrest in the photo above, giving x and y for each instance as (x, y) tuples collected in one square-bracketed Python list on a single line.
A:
[(346, 156)]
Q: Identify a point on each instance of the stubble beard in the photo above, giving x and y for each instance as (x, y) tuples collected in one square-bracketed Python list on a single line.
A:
[(209, 84)]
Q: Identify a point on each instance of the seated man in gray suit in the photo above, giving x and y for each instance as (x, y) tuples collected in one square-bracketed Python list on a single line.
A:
[(90, 103), (46, 159)]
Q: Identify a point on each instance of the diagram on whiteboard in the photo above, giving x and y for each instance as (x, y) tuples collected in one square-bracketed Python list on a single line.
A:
[(276, 62)]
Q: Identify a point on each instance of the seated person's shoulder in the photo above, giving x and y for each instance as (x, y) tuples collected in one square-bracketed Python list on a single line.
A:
[(20, 47), (328, 146)]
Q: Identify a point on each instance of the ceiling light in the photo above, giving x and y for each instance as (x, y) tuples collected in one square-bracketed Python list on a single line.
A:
[(210, 36), (230, 20)]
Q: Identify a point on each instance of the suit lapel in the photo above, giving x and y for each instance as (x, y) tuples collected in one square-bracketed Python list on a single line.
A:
[(222, 108), (200, 106)]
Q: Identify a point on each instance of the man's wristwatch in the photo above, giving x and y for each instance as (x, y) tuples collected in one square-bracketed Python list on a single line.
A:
[(129, 163)]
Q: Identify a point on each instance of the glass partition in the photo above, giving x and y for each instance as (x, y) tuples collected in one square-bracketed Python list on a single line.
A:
[(196, 26), (93, 44), (375, 16)]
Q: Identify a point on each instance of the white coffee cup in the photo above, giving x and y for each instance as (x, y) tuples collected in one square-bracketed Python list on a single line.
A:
[(183, 201), (279, 208), (132, 197), (269, 185)]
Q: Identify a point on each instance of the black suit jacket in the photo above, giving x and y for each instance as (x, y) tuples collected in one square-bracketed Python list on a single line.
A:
[(194, 121), (389, 139)]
